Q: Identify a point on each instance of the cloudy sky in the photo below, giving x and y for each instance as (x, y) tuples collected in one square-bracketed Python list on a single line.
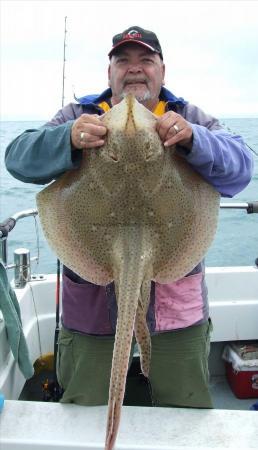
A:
[(210, 50)]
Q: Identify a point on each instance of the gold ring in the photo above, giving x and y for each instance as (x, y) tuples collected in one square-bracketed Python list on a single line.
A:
[(176, 128), (82, 136)]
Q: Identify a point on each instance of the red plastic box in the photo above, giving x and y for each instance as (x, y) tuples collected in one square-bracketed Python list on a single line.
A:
[(244, 383)]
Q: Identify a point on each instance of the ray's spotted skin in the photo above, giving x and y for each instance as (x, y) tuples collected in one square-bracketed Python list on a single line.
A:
[(133, 212)]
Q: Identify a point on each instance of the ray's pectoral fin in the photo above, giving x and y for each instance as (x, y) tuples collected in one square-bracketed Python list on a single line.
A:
[(141, 329)]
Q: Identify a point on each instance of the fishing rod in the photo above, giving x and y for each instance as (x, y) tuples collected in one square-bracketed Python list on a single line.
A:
[(56, 391), (52, 390), (58, 260), (64, 61), (233, 132)]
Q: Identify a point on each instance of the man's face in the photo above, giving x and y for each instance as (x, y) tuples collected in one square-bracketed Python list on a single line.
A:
[(134, 69)]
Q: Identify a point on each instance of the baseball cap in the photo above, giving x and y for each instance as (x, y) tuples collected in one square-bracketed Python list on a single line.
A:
[(146, 38)]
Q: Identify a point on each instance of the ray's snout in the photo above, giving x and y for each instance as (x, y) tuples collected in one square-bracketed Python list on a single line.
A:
[(130, 126)]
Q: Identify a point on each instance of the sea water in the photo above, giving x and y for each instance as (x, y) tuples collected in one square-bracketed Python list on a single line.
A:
[(235, 244)]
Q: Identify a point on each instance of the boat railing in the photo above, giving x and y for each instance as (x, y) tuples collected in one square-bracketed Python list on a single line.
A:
[(22, 259), (250, 207)]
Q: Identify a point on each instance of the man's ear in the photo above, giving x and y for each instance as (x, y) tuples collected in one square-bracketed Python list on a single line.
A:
[(109, 75), (164, 71)]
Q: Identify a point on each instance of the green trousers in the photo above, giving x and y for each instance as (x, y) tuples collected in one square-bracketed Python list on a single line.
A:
[(178, 376)]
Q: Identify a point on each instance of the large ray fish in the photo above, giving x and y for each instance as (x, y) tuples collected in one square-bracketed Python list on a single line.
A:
[(133, 212)]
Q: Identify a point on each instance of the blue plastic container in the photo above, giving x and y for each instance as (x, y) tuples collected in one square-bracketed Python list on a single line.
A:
[(1, 402)]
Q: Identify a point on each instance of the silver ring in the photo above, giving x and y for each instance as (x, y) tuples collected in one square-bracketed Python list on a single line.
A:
[(82, 136), (176, 128)]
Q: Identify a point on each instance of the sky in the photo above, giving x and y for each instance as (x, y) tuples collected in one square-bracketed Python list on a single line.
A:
[(210, 50)]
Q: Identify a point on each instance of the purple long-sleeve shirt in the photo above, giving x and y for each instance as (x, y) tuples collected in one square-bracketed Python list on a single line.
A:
[(39, 156)]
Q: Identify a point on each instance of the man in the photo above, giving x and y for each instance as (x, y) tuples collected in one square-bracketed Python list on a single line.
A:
[(178, 316)]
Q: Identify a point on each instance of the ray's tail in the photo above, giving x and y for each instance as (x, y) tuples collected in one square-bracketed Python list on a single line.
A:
[(131, 257)]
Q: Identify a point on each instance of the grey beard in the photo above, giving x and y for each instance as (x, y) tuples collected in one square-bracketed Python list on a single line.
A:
[(141, 97)]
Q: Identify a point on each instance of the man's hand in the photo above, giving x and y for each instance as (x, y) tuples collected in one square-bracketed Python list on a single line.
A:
[(88, 131), (174, 129)]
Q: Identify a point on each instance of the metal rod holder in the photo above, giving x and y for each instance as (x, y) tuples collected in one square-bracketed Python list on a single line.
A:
[(22, 271)]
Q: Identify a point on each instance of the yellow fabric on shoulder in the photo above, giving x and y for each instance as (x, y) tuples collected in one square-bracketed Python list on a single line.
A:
[(159, 109), (105, 106)]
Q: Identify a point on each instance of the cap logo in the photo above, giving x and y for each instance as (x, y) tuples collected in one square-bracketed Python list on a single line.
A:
[(133, 34)]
